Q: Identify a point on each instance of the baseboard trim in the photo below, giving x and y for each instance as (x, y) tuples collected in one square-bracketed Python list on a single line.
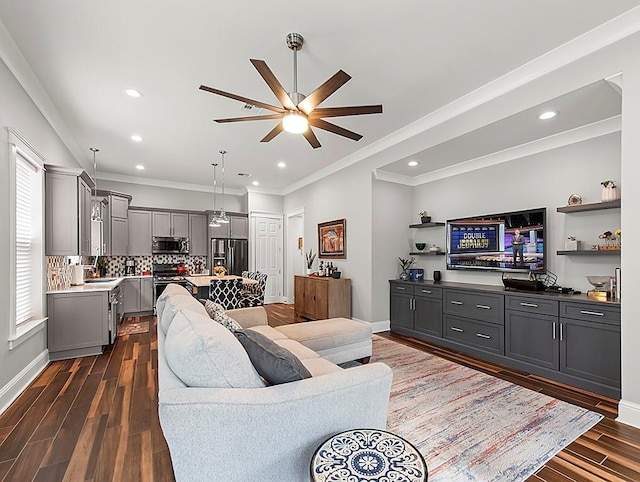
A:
[(629, 413), (21, 381)]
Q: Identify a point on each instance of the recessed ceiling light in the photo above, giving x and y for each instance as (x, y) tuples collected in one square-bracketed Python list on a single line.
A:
[(413, 163), (133, 93), (140, 167), (136, 138), (550, 114), (255, 183), (282, 164)]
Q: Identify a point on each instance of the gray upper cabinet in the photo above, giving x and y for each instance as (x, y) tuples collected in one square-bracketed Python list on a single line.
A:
[(119, 206), (239, 227), (119, 236), (170, 224), (140, 232), (67, 211), (221, 231), (180, 225), (198, 234)]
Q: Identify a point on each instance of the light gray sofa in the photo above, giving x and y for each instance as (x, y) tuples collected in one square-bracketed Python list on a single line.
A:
[(220, 420)]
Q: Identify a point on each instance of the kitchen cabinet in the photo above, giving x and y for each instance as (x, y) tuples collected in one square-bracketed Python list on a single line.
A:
[(198, 245), (138, 295), (416, 308), (78, 324), (171, 224), (67, 211), (115, 222), (140, 232), (119, 236), (318, 298), (238, 227)]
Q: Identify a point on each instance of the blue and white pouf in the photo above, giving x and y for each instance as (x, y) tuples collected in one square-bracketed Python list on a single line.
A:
[(366, 455)]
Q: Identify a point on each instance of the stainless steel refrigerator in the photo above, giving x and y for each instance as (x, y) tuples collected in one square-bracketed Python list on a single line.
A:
[(233, 254)]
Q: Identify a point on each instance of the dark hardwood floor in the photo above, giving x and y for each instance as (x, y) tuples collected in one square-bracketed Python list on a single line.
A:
[(95, 419)]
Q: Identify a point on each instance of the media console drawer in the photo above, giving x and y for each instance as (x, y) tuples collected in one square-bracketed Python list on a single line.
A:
[(474, 304), (599, 312), (531, 304), (487, 336)]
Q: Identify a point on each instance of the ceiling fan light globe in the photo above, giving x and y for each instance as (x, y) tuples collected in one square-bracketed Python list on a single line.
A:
[(295, 123)]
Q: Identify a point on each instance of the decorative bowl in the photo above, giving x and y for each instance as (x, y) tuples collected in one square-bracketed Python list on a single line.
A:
[(421, 246), (598, 281)]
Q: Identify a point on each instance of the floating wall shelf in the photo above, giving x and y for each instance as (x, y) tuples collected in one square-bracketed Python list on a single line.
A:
[(427, 253), (591, 252), (426, 225), (589, 207)]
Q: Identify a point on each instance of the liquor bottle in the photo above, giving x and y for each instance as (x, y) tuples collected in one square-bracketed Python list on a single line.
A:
[(321, 269)]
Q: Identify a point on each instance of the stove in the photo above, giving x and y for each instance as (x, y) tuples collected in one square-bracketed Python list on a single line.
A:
[(167, 273)]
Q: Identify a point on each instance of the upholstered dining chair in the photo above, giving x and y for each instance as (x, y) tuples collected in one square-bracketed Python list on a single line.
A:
[(255, 297), (226, 292)]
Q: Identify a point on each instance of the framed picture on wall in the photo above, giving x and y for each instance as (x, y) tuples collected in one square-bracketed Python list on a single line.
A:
[(332, 239)]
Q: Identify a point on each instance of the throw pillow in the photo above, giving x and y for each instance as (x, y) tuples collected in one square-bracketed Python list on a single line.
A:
[(216, 313), (275, 364)]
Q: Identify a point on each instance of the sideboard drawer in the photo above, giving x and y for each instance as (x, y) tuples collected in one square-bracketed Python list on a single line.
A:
[(487, 336), (601, 313), (428, 292), (403, 288), (477, 305), (531, 305)]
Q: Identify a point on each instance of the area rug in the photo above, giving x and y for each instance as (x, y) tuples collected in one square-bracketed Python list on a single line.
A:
[(133, 328), (470, 426)]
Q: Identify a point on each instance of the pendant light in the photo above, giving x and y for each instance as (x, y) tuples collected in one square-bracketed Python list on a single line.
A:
[(214, 223), (222, 218), (96, 215)]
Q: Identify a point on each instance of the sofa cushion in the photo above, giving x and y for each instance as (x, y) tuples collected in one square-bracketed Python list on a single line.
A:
[(274, 363), (323, 334), (171, 290), (319, 366), (299, 350), (174, 304), (203, 353), (216, 313), (269, 332)]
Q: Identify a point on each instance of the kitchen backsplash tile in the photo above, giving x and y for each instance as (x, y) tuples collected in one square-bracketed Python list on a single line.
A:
[(115, 264)]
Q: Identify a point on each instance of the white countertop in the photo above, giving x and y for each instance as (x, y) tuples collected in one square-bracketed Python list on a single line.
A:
[(101, 286), (205, 280)]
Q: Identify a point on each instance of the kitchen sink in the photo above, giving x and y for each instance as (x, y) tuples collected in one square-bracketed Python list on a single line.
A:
[(100, 280)]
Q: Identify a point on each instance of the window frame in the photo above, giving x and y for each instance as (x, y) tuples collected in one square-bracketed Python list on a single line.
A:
[(19, 333)]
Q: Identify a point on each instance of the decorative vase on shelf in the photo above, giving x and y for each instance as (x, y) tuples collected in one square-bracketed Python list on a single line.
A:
[(425, 219), (309, 271), (610, 191), (404, 275)]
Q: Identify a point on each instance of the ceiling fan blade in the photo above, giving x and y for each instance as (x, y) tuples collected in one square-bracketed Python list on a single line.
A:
[(311, 138), (246, 100), (328, 126), (248, 118), (344, 111), (274, 84), (273, 132), (325, 90)]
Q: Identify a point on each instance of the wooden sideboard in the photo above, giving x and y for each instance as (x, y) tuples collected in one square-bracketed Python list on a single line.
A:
[(318, 298)]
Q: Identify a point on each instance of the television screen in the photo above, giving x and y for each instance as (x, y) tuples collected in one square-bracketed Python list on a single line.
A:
[(512, 241)]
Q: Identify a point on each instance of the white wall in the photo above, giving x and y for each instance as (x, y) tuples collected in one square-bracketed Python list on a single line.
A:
[(390, 239), (346, 194), (265, 203), (18, 111), (542, 180), (171, 198)]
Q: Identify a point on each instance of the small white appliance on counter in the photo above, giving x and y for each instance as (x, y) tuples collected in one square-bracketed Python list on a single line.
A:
[(77, 274)]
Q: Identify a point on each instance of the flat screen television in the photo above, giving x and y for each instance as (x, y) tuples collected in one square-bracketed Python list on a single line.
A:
[(513, 241)]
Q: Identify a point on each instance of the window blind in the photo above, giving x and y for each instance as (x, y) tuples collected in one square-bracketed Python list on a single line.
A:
[(26, 177)]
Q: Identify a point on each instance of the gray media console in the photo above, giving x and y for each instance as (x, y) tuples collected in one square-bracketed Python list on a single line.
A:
[(568, 338)]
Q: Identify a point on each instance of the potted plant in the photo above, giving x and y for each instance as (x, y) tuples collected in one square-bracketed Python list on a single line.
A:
[(425, 217), (405, 264), (101, 265), (219, 271), (609, 191), (310, 257)]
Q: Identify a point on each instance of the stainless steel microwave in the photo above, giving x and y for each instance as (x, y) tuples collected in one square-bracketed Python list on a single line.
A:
[(164, 245)]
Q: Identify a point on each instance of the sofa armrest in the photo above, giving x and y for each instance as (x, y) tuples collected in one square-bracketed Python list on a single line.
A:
[(268, 434), (248, 317)]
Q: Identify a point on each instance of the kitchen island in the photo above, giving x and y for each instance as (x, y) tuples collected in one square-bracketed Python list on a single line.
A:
[(199, 285)]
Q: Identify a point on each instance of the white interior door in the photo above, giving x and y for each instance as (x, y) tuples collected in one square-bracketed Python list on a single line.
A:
[(267, 240)]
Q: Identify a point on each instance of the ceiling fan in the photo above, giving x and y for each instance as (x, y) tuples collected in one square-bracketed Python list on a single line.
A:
[(299, 112)]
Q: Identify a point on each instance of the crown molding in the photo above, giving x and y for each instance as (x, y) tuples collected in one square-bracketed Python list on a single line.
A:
[(264, 190), (380, 175), (562, 139), (595, 39), (147, 181), (26, 77)]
